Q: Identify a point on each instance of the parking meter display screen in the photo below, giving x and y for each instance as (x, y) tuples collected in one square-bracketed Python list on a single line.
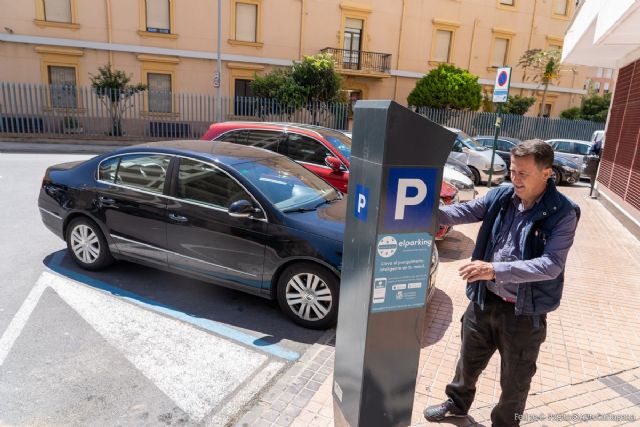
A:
[(401, 275)]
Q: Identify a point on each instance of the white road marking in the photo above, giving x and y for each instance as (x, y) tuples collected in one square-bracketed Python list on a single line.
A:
[(231, 408), (20, 319), (197, 370)]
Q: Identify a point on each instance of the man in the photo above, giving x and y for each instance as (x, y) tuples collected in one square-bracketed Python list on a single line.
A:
[(514, 279)]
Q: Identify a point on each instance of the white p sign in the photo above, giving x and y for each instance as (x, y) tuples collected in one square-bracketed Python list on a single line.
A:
[(362, 202), (403, 200)]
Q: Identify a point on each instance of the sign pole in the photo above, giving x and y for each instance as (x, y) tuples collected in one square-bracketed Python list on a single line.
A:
[(500, 96), (495, 143)]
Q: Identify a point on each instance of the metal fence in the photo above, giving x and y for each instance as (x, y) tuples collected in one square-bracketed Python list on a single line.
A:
[(513, 125), (74, 110)]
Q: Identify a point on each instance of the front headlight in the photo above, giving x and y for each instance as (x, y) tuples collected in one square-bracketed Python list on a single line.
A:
[(460, 185)]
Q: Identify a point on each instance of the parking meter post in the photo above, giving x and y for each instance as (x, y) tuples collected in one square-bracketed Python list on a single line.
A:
[(495, 143), (397, 161)]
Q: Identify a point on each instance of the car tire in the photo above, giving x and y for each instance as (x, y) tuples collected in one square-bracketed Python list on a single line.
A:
[(308, 294), (476, 176), (557, 176), (87, 245)]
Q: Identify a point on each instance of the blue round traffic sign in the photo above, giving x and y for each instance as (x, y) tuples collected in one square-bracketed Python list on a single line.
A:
[(502, 78)]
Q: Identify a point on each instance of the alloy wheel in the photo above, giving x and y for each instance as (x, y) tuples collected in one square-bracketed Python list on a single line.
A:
[(85, 243), (308, 296)]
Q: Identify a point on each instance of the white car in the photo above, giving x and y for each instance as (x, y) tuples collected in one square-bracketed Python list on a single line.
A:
[(574, 150), (466, 190), (478, 158)]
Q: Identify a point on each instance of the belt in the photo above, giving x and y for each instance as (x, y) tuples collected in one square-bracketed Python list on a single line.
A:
[(499, 298)]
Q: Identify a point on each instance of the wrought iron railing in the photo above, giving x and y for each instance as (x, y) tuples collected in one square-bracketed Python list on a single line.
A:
[(360, 60)]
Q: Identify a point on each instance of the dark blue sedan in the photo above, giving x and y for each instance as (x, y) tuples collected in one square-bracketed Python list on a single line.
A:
[(241, 217)]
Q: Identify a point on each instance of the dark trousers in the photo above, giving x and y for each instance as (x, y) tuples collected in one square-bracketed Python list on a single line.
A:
[(516, 338)]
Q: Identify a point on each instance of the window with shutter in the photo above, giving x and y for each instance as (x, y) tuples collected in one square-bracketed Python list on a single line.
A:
[(159, 86), (57, 10), (158, 16), (62, 81), (246, 22)]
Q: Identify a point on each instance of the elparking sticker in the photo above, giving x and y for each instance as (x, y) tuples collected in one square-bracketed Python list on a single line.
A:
[(401, 275)]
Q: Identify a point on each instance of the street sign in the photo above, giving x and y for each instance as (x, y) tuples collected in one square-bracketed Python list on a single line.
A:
[(501, 86), (388, 241)]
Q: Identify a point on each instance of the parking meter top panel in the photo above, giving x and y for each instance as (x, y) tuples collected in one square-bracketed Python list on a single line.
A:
[(415, 139)]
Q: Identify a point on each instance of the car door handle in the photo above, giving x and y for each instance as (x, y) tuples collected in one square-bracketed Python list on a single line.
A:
[(105, 201), (178, 218)]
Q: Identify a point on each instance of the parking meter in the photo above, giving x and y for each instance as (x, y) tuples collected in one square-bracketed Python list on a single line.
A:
[(396, 161)]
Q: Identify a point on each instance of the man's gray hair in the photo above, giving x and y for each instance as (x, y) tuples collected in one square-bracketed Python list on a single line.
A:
[(541, 151)]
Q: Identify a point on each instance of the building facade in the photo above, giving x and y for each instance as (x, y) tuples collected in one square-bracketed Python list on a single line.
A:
[(608, 35), (381, 47)]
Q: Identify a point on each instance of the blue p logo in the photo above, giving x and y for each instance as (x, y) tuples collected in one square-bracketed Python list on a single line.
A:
[(409, 201), (362, 200)]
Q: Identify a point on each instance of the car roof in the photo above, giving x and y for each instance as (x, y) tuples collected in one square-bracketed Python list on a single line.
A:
[(222, 152), (580, 141), (283, 126), (504, 138)]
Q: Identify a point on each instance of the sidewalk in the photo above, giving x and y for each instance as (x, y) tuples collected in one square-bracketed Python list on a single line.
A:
[(589, 366)]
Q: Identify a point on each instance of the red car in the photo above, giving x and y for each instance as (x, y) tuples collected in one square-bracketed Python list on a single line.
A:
[(323, 151)]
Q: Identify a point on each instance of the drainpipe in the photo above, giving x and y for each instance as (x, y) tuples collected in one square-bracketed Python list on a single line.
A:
[(301, 42), (473, 39), (109, 31), (218, 114), (395, 89)]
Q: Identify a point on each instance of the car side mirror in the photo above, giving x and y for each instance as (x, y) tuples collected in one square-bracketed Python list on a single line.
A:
[(241, 209), (334, 163)]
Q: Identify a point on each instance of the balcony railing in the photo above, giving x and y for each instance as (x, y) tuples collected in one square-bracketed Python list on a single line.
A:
[(360, 60)]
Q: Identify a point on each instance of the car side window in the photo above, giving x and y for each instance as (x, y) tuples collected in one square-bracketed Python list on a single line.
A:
[(108, 168), (235, 136), (267, 139), (457, 146), (562, 146), (304, 149), (504, 145), (582, 149), (203, 183), (144, 171)]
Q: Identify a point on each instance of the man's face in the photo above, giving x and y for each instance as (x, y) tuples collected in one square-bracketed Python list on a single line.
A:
[(528, 180)]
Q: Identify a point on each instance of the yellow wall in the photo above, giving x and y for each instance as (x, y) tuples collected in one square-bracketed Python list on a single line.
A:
[(402, 28)]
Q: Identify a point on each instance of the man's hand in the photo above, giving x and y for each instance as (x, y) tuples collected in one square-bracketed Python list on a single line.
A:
[(477, 270)]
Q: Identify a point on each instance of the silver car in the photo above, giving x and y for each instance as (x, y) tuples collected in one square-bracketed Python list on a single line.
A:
[(574, 150), (478, 158)]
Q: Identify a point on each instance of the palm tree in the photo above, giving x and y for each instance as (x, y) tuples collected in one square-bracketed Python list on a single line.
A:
[(545, 65)]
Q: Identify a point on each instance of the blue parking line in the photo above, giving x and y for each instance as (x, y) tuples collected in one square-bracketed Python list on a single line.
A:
[(210, 325)]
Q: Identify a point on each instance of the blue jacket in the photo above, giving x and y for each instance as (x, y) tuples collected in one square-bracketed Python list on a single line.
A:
[(534, 298)]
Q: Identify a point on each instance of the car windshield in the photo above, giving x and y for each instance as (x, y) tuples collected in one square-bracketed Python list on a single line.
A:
[(340, 141), (582, 149), (289, 186), (469, 142)]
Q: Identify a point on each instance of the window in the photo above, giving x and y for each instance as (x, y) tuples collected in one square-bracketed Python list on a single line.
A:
[(243, 106), (562, 146), (606, 87), (546, 111), (144, 171), (500, 51), (599, 72), (158, 16), (443, 45), (62, 89), (267, 139), (203, 183), (235, 137), (560, 7), (352, 43), (608, 73), (507, 2), (57, 11), (108, 168), (304, 149), (596, 87), (159, 86), (246, 22)]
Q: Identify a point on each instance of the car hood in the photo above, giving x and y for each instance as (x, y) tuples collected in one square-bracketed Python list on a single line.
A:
[(450, 174), (486, 155), (326, 221), (565, 162)]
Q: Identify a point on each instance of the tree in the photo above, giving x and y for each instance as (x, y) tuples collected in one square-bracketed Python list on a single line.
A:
[(518, 104), (545, 65), (594, 108), (113, 87), (447, 86), (307, 83)]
